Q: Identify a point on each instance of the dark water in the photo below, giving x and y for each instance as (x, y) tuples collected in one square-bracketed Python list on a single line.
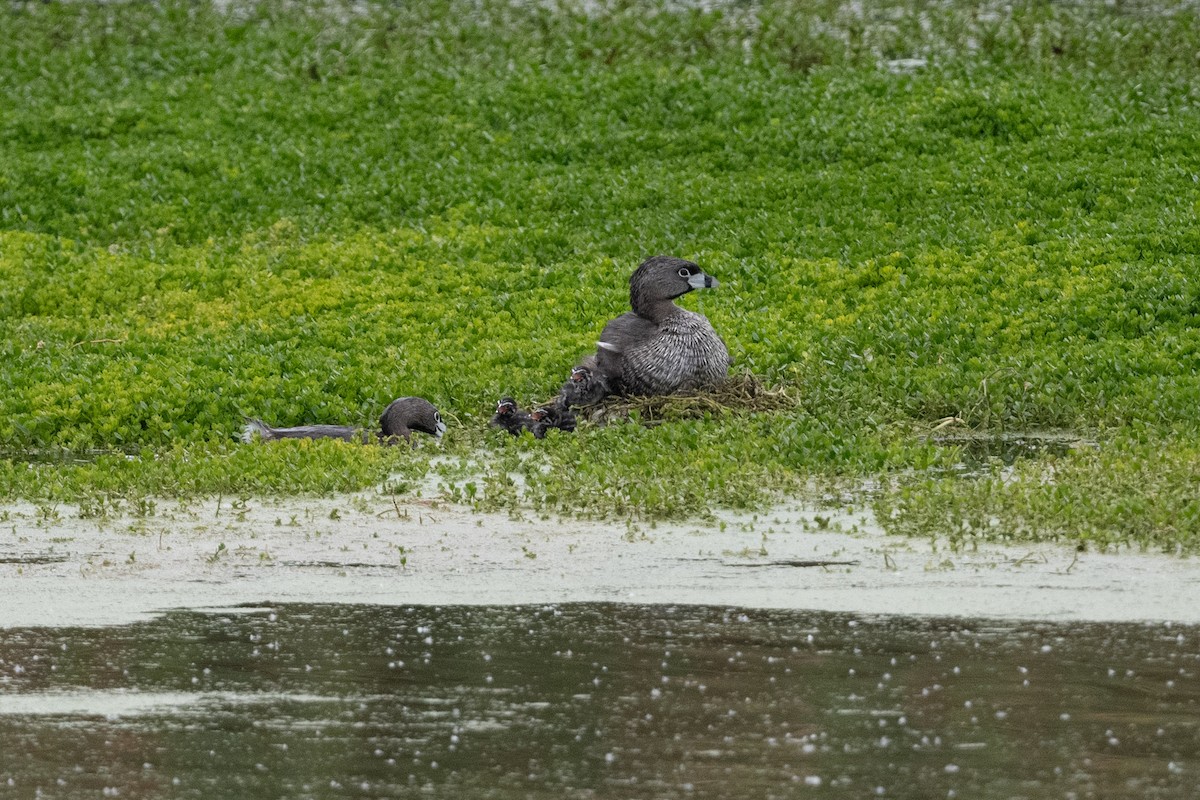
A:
[(597, 701), (979, 453)]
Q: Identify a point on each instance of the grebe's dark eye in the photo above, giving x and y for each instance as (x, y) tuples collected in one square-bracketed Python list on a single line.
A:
[(684, 272)]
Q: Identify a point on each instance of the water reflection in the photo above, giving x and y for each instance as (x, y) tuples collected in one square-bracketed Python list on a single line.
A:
[(979, 452), (597, 701)]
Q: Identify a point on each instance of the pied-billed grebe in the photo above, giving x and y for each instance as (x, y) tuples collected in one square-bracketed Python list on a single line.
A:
[(403, 416), (586, 386), (658, 347), (407, 414), (510, 417), (555, 414)]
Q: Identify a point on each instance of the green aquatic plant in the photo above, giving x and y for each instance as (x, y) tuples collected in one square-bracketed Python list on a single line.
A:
[(986, 214), (1130, 492)]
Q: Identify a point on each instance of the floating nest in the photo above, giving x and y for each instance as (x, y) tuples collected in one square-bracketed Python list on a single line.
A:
[(741, 392)]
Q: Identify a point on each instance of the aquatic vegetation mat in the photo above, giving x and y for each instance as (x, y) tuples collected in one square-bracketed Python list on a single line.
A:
[(210, 211), (1128, 492)]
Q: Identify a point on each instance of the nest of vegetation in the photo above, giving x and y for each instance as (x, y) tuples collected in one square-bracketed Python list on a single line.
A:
[(741, 392)]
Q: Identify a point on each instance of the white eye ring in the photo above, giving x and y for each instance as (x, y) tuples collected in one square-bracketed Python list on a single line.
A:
[(684, 272)]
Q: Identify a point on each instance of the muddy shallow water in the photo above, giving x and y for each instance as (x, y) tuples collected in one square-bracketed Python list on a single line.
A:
[(60, 569), (597, 701), (352, 646)]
